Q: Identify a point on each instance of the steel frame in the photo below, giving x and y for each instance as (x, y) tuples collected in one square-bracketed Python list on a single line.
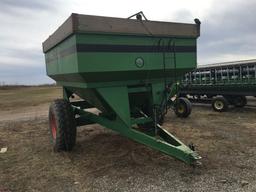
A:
[(157, 137), (238, 78)]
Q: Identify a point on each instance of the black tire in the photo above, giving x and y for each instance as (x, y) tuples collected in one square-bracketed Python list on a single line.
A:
[(220, 104), (239, 101), (183, 107), (62, 125)]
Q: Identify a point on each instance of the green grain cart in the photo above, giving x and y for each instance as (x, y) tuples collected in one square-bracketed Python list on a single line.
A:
[(127, 69)]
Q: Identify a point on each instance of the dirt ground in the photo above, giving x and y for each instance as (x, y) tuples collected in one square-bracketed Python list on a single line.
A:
[(105, 161)]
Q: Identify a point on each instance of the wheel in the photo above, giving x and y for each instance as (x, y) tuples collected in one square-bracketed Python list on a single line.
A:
[(62, 125), (239, 101), (183, 107), (220, 104)]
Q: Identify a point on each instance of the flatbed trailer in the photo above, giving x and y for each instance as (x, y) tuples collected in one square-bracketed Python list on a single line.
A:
[(223, 83)]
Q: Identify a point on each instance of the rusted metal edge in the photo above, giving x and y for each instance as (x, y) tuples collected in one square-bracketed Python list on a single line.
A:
[(77, 23)]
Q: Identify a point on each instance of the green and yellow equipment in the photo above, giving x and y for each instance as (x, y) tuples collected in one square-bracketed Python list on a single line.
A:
[(222, 84), (127, 69)]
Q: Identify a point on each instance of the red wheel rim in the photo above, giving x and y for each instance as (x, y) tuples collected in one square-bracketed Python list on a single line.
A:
[(53, 126)]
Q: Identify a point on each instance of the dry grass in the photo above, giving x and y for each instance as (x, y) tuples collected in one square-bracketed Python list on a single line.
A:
[(20, 97)]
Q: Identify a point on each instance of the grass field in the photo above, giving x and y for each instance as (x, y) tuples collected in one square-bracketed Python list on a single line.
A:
[(105, 161), (30, 102), (21, 97)]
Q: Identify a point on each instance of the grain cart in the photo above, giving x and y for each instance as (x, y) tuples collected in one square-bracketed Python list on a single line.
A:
[(127, 69), (222, 84)]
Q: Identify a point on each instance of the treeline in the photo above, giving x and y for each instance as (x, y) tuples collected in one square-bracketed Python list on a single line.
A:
[(14, 86)]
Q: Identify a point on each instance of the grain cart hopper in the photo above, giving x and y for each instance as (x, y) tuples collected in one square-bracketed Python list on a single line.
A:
[(125, 68)]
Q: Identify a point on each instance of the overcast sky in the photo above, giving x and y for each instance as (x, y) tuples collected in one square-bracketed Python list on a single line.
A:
[(228, 30)]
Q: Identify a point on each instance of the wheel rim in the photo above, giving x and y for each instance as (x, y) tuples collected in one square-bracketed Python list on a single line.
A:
[(53, 126), (218, 105)]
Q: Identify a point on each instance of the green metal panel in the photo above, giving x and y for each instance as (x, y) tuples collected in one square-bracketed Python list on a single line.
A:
[(129, 40), (91, 96), (59, 62), (157, 92), (64, 63), (117, 99), (125, 75)]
